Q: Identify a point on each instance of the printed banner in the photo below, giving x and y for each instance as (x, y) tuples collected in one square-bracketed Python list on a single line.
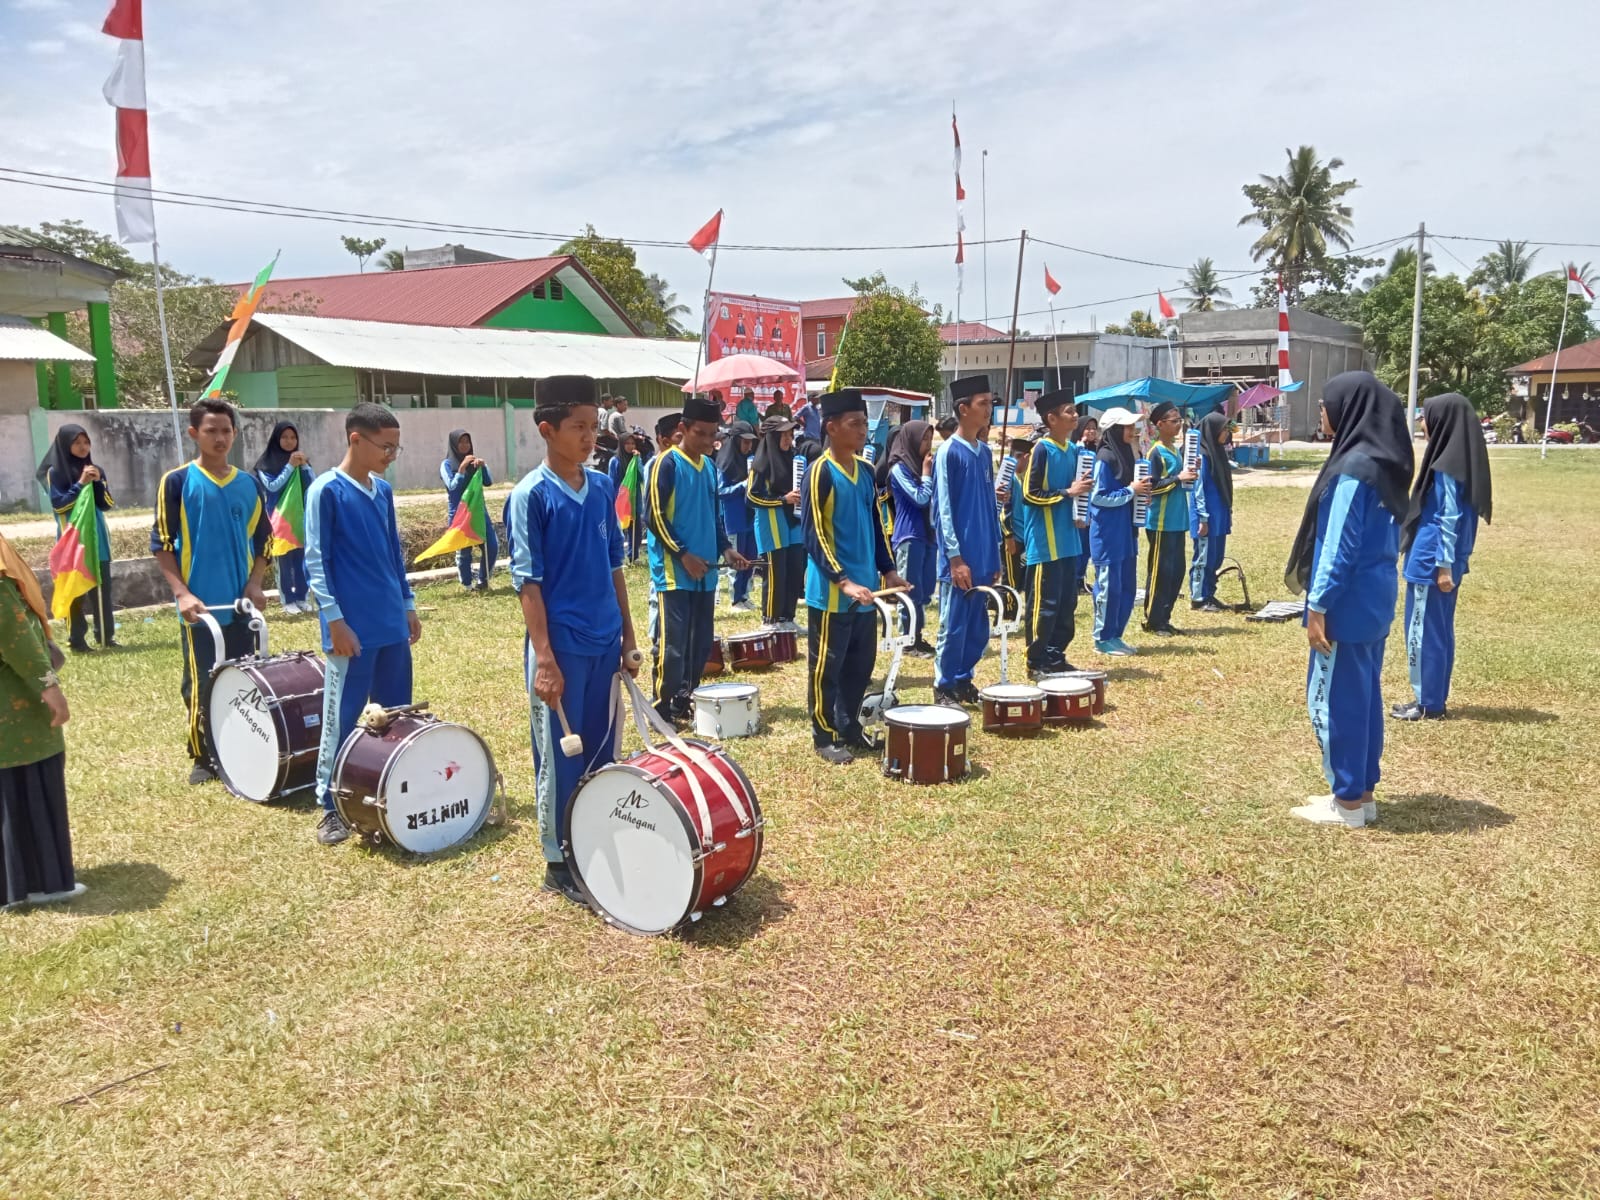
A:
[(756, 325)]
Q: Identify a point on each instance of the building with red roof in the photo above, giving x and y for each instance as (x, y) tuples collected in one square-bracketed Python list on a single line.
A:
[(1577, 384)]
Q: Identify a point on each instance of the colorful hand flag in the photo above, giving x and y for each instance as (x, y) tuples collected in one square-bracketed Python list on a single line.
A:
[(1050, 284), (706, 236), (1168, 313), (243, 309), (1576, 286), (289, 518), (468, 528), (75, 558), (627, 494)]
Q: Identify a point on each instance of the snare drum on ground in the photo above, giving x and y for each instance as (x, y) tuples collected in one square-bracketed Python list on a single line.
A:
[(1067, 699), (264, 724), (727, 710), (752, 651), (926, 743), (1012, 708), (424, 784)]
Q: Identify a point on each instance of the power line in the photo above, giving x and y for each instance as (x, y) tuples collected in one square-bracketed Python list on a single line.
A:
[(1461, 237)]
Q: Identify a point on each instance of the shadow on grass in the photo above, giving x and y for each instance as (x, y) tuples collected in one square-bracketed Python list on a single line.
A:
[(487, 836), (758, 905), (1502, 716), (1129, 674), (1171, 647), (1212, 630), (121, 888), (1433, 812)]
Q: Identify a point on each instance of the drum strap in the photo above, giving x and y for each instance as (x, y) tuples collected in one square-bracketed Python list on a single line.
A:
[(645, 718)]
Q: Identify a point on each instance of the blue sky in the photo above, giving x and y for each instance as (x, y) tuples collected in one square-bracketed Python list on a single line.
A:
[(1125, 127)]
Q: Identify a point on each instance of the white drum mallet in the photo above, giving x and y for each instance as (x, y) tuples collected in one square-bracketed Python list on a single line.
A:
[(571, 743)]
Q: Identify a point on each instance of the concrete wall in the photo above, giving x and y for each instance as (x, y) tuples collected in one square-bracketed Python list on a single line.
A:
[(19, 385)]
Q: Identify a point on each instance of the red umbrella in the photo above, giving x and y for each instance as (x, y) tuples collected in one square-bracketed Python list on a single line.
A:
[(739, 369)]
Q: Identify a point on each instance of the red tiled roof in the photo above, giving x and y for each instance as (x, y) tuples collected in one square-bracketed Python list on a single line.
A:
[(970, 331), (449, 296), (820, 368), (821, 310), (1584, 357)]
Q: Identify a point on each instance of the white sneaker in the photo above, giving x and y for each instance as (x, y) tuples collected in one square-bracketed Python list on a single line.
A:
[(1369, 812), (1325, 810), (743, 606)]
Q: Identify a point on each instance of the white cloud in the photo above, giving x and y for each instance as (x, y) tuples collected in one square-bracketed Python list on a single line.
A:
[(46, 47), (38, 5)]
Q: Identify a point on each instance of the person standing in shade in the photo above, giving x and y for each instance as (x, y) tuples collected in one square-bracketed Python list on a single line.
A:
[(1113, 542), (776, 516), (747, 411), (968, 531), (209, 538), (617, 471), (686, 540), (1048, 489), (65, 471), (1344, 561), (35, 841), (807, 421), (1211, 514), (277, 465), (1166, 522), (616, 422), (1452, 491), (456, 471), (669, 429), (846, 556), (733, 474), (907, 473), (364, 601)]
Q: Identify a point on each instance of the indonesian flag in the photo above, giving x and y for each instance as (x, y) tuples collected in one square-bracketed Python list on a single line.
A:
[(1050, 284), (961, 195), (243, 309), (124, 91), (467, 528), (1576, 286), (707, 235), (75, 558), (1284, 378), (289, 518), (1168, 313)]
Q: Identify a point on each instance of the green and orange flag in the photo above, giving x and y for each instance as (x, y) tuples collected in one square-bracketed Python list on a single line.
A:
[(289, 518), (628, 494), (243, 309), (468, 528), (75, 560)]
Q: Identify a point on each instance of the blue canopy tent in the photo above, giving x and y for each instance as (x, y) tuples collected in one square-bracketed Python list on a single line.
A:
[(1195, 399)]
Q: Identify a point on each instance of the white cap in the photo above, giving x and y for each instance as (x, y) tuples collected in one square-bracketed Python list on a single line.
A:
[(1118, 416)]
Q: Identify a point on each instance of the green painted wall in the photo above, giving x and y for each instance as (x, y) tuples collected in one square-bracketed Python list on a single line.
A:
[(565, 315), (105, 356), (256, 389), (317, 387)]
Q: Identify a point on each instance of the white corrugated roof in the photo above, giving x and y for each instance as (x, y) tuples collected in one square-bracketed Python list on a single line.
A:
[(20, 339), (479, 353)]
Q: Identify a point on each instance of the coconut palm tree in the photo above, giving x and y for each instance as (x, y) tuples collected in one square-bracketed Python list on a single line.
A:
[(1205, 290), (391, 260), (671, 309), (1507, 265), (1302, 211)]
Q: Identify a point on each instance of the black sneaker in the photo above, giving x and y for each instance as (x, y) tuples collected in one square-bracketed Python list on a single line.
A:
[(1037, 673), (201, 773), (1159, 631), (332, 830), (947, 698), (558, 879), (968, 691), (864, 743), (1415, 712), (80, 647), (921, 649), (839, 756), (1210, 606)]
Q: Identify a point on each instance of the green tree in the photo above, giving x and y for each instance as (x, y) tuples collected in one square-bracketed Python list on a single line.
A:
[(1205, 290), (1139, 324), (392, 260), (1302, 212), (362, 249), (616, 267), (672, 309), (891, 342), (1507, 264)]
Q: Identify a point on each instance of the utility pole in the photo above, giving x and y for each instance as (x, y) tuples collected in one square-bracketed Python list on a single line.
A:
[(1416, 331)]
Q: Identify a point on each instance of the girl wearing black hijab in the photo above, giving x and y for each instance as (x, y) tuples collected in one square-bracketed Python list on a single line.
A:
[(776, 506), (629, 453), (1344, 559), (459, 466), (275, 468), (733, 469), (906, 473), (64, 470), (1452, 492), (1211, 514), (1113, 542)]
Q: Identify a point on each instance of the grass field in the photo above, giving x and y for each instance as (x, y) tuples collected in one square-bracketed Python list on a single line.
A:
[(1109, 964)]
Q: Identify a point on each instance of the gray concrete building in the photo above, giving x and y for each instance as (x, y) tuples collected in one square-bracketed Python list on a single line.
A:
[(1078, 362)]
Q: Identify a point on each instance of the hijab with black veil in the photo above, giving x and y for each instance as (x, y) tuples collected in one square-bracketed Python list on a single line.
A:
[(774, 466), (1457, 448), (1212, 426), (275, 458), (1370, 443), (904, 447), (732, 462)]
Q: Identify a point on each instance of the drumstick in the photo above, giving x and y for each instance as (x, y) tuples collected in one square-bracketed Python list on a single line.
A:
[(571, 743), (635, 657), (890, 591)]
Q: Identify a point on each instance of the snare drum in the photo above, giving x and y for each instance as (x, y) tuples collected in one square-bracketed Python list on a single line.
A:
[(264, 724), (1098, 679), (1067, 699), (926, 743), (785, 645), (751, 651), (424, 784), (653, 851), (727, 710), (714, 663), (1012, 708)]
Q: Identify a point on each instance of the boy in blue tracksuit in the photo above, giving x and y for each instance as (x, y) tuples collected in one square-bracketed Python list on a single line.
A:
[(1344, 558), (1113, 544), (846, 555), (456, 470), (364, 601), (1048, 489), (1451, 492), (967, 525), (1211, 514), (686, 539), (906, 472), (566, 565)]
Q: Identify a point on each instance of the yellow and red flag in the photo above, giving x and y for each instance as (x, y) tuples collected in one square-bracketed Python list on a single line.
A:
[(468, 527), (75, 559)]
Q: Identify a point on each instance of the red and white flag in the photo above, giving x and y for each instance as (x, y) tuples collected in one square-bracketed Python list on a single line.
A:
[(1284, 378), (961, 195), (124, 91), (1168, 313), (706, 236), (1576, 286), (1050, 284)]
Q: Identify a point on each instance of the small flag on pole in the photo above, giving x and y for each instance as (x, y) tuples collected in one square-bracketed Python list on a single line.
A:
[(627, 492), (1050, 284), (124, 91), (1167, 311), (1576, 286), (961, 195), (468, 527), (243, 309), (289, 518), (706, 236), (75, 558)]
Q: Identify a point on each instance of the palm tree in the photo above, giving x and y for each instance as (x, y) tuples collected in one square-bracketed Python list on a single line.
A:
[(1302, 213), (1206, 293), (391, 260), (1507, 265), (671, 309), (1405, 259)]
